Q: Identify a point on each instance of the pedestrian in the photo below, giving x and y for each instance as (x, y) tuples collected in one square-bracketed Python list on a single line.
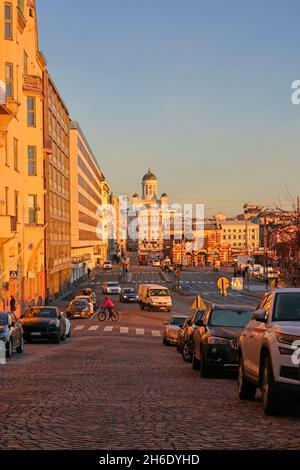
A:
[(88, 272), (267, 283), (12, 304)]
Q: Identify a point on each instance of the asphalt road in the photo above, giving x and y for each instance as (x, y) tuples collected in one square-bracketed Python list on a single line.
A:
[(115, 386)]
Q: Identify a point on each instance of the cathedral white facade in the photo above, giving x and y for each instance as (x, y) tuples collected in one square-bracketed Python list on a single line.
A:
[(151, 212)]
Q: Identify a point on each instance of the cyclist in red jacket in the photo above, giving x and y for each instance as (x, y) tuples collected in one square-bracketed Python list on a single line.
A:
[(108, 303)]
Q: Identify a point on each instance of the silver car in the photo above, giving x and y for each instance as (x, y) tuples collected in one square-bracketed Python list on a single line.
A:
[(111, 287), (171, 327)]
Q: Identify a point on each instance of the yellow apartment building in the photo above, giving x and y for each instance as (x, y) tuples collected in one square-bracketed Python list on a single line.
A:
[(89, 190), (21, 156), (57, 185)]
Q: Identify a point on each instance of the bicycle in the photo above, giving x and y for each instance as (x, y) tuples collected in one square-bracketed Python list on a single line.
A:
[(110, 314)]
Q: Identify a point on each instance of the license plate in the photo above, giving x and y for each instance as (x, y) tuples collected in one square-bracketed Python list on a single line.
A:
[(36, 333)]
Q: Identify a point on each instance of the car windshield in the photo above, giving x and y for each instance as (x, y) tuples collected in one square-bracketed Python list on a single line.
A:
[(129, 290), (3, 319), (159, 292), (287, 307), (40, 312), (178, 321), (112, 284), (80, 304), (234, 318)]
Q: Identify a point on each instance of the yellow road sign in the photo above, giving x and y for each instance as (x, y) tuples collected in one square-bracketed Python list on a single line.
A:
[(223, 283), (198, 303), (237, 283)]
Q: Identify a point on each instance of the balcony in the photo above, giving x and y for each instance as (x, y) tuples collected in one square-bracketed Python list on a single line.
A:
[(21, 20), (32, 83), (8, 111), (8, 227)]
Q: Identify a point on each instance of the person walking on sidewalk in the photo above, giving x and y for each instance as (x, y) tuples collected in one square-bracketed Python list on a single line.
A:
[(12, 304)]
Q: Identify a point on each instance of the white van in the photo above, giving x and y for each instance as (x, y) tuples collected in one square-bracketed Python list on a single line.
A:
[(154, 296)]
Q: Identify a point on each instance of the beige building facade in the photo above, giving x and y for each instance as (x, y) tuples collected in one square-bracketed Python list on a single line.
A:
[(21, 156), (89, 191)]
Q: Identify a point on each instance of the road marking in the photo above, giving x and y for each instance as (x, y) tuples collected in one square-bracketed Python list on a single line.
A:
[(140, 331), (79, 327), (124, 329), (108, 328), (93, 327), (156, 333)]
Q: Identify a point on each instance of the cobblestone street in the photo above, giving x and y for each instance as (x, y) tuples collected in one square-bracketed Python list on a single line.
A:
[(122, 390)]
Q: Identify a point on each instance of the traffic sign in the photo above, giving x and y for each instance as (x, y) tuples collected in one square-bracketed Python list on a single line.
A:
[(198, 303), (237, 283), (13, 274), (223, 283)]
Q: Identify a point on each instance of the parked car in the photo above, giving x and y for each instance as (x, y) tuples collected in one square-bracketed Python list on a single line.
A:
[(186, 334), (80, 307), (111, 287), (170, 329), (89, 292), (154, 297), (269, 350), (156, 263), (107, 265), (89, 299), (11, 333), (216, 339), (44, 323), (128, 294)]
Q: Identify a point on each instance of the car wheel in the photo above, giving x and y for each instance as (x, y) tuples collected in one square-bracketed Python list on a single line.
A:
[(9, 349), (186, 352), (165, 342), (270, 397), (142, 306), (246, 390), (205, 369), (149, 308), (20, 348), (195, 362)]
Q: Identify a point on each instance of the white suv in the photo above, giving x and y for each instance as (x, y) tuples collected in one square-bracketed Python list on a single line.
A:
[(269, 350)]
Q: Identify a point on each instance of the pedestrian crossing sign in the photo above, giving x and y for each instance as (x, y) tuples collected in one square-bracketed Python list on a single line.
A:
[(198, 303), (237, 283)]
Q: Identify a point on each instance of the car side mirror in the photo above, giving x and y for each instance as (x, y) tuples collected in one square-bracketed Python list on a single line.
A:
[(260, 315)]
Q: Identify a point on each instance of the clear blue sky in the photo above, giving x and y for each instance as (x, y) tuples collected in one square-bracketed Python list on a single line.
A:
[(197, 89)]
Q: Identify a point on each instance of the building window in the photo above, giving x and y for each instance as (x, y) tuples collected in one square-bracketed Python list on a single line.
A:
[(31, 111), (9, 80), (17, 205), (25, 63), (32, 205), (31, 154), (6, 151), (16, 154), (8, 31), (6, 202)]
